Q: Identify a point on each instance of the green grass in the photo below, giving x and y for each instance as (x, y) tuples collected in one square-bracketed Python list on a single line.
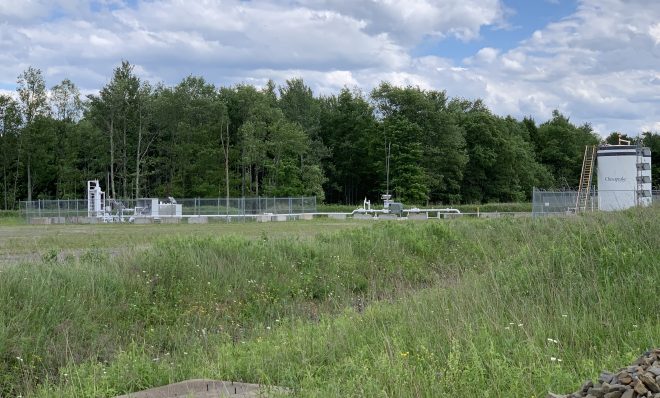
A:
[(17, 240), (440, 308)]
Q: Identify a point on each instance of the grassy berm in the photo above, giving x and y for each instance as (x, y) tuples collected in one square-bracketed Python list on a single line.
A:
[(462, 308)]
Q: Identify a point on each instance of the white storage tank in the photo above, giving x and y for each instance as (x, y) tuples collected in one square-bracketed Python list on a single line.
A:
[(624, 177)]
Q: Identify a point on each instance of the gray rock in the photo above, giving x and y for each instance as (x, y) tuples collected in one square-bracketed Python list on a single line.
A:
[(624, 377), (649, 381), (640, 388), (613, 394), (586, 385), (655, 370), (628, 394)]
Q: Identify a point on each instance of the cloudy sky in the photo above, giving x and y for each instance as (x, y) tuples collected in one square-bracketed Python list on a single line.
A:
[(597, 61)]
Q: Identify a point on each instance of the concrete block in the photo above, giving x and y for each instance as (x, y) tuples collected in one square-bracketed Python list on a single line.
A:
[(143, 220), (40, 221), (198, 220), (264, 217), (337, 216), (359, 216), (58, 220), (170, 220), (387, 217), (449, 215), (279, 217), (307, 216), (418, 216)]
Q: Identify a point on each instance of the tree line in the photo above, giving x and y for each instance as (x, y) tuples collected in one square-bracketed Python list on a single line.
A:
[(197, 140)]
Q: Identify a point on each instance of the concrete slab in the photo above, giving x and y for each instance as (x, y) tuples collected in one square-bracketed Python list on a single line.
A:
[(142, 220), (337, 216), (418, 216), (279, 217), (307, 216), (387, 217), (40, 220), (198, 220), (170, 220), (359, 216), (264, 217), (201, 388)]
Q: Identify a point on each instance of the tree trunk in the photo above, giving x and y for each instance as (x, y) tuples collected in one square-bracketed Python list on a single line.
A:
[(225, 149), (124, 162), (112, 156), (4, 181), (137, 160), (29, 180)]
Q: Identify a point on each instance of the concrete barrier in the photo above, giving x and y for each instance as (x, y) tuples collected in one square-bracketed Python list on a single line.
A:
[(142, 220), (170, 220), (40, 220), (307, 216), (337, 216), (387, 217), (418, 216), (198, 220), (264, 217), (359, 216)]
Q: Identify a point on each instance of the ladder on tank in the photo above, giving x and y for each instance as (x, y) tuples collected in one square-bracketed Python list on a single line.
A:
[(585, 179)]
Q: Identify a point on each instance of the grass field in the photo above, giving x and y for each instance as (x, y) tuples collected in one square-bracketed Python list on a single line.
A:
[(443, 308)]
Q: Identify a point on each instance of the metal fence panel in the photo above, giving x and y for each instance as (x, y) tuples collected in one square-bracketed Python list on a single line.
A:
[(545, 203), (72, 210)]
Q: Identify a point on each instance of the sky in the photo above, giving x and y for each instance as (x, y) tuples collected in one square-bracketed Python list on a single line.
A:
[(596, 61)]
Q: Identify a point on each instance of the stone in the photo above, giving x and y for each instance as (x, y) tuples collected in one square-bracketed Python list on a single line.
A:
[(613, 394), (587, 385), (606, 377), (597, 392), (551, 395), (628, 394), (649, 381), (654, 369), (641, 389), (624, 377)]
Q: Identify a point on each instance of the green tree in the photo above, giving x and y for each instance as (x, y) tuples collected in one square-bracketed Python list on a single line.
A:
[(652, 140), (10, 160), (32, 94), (562, 147)]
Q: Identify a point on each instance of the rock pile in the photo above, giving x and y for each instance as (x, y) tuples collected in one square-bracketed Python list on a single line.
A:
[(641, 379)]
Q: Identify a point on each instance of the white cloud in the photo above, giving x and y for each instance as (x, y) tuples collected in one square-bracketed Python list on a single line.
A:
[(599, 65)]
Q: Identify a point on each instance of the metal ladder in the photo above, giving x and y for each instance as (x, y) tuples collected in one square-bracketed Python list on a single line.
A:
[(585, 179)]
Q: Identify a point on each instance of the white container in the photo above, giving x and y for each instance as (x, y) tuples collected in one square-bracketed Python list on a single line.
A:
[(620, 167)]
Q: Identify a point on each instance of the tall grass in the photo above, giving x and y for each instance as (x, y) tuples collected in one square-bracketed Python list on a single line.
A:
[(462, 308)]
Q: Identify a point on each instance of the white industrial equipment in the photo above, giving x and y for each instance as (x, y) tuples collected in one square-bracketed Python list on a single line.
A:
[(114, 210), (624, 177), (95, 199)]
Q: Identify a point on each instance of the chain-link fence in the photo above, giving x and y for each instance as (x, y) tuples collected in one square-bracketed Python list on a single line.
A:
[(545, 203), (76, 210)]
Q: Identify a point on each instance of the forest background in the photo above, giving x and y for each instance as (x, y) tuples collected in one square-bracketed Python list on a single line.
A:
[(198, 140)]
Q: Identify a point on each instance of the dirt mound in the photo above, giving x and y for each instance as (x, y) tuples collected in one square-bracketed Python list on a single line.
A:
[(641, 379), (201, 388)]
